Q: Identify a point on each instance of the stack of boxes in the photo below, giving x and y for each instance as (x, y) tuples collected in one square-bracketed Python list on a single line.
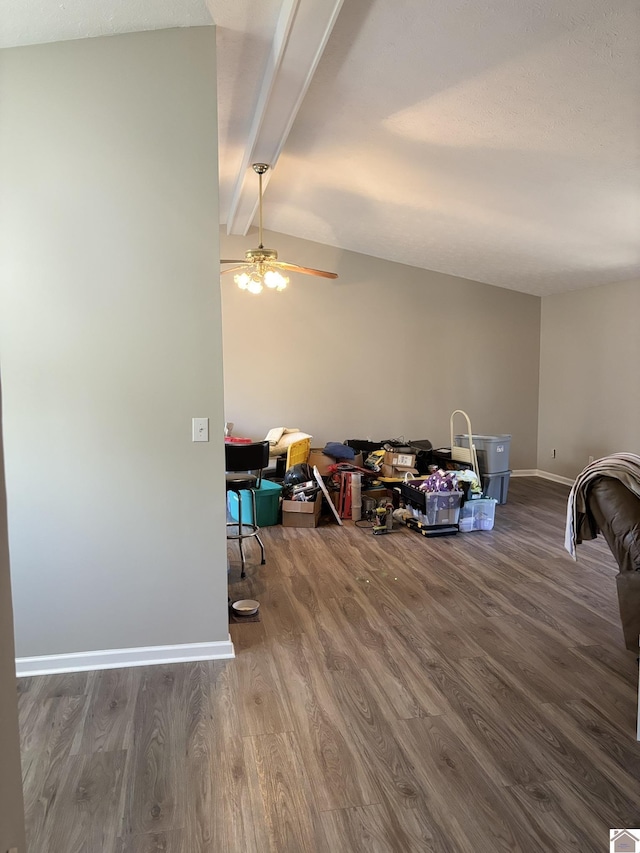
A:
[(398, 465), (493, 461)]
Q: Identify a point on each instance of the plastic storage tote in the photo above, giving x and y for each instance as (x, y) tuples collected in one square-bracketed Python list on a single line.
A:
[(436, 507), (267, 504), (496, 486), (478, 514), (492, 451)]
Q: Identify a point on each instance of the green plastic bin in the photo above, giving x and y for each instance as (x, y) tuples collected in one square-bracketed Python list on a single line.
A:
[(267, 504)]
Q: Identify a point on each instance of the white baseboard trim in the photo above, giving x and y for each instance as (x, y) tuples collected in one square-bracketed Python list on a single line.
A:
[(556, 478), (117, 658), (546, 475)]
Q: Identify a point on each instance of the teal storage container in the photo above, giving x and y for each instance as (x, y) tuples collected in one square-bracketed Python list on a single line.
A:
[(267, 504)]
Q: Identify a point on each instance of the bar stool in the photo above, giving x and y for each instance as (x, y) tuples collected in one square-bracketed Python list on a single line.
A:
[(244, 464)]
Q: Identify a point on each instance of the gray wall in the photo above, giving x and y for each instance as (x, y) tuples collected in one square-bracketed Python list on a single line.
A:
[(11, 806), (385, 350), (110, 339), (589, 376)]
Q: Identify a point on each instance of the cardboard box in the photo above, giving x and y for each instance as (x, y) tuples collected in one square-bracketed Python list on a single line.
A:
[(322, 461), (400, 460), (377, 493), (302, 513), (380, 496), (396, 472), (358, 460)]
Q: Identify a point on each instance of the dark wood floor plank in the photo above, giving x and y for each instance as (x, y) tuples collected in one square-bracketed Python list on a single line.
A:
[(109, 721), (84, 815), (338, 776), (400, 684), (262, 701), (552, 672), (407, 694), (280, 782), (361, 829), (279, 614), (48, 738), (152, 842), (559, 755), (585, 625), (468, 803), (543, 662), (379, 829), (373, 736), (66, 684), (494, 743), (555, 820), (325, 633), (404, 601), (156, 792), (608, 665), (237, 822), (587, 725), (584, 589)]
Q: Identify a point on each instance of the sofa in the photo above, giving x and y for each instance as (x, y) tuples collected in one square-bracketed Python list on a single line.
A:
[(615, 509)]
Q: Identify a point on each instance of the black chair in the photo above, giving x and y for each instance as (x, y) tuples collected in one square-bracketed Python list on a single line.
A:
[(244, 465)]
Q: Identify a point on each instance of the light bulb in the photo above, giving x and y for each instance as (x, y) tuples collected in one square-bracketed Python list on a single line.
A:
[(255, 284), (242, 280), (283, 283), (274, 279)]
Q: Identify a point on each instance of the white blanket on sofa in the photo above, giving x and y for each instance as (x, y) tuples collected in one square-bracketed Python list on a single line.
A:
[(620, 466)]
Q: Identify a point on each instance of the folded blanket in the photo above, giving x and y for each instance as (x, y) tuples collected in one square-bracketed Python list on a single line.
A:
[(580, 525)]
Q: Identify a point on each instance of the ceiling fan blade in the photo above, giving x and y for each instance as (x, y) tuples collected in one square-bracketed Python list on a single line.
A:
[(232, 269), (236, 261), (305, 270)]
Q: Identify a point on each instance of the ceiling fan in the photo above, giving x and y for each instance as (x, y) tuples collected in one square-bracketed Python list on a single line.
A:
[(261, 266)]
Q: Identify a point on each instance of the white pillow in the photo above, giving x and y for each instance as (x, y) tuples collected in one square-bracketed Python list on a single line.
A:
[(286, 441), (274, 435)]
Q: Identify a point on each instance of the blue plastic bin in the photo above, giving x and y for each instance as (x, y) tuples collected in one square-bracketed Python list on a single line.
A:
[(267, 504)]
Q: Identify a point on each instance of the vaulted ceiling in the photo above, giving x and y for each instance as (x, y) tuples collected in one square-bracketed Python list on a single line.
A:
[(497, 140)]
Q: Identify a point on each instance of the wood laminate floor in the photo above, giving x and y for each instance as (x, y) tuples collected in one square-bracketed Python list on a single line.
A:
[(399, 694)]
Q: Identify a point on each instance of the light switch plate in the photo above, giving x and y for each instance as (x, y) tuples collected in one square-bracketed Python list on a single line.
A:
[(200, 429)]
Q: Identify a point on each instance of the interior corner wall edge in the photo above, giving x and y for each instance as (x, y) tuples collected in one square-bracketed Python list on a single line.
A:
[(589, 377), (385, 350), (110, 342), (11, 801)]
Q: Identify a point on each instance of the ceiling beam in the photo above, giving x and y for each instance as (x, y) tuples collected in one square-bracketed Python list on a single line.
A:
[(301, 34)]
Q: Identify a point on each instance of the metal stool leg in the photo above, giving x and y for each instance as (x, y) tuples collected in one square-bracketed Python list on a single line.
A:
[(252, 530), (242, 572), (255, 526)]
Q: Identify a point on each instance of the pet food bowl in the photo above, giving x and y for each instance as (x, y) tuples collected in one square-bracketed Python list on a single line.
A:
[(245, 607)]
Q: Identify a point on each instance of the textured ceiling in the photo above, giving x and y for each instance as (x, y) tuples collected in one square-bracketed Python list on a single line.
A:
[(496, 140), (37, 21)]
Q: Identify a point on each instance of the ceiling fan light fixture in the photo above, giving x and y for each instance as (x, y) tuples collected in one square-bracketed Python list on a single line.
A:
[(242, 280), (275, 280), (255, 284), (261, 265)]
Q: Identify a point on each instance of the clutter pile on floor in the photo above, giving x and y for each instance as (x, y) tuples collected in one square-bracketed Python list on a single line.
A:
[(380, 486)]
